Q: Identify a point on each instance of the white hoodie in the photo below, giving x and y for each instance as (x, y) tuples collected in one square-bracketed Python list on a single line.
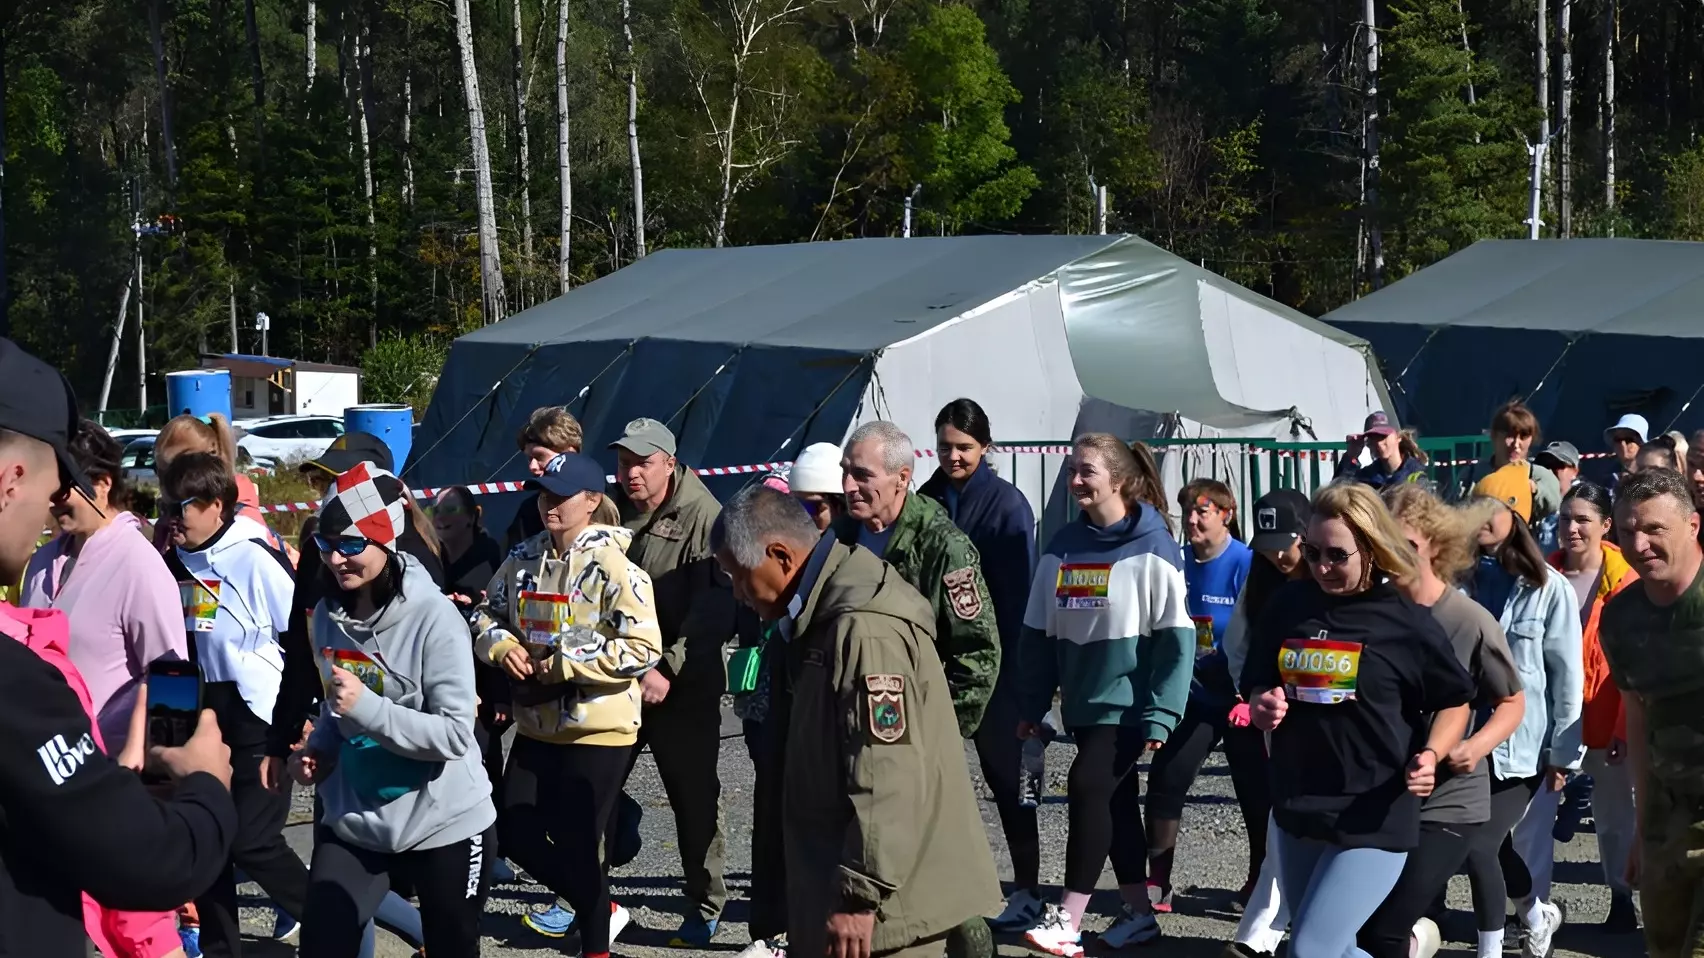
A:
[(235, 609)]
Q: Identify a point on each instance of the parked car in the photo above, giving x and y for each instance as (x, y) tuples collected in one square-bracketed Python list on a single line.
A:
[(124, 436), (288, 438), (140, 470)]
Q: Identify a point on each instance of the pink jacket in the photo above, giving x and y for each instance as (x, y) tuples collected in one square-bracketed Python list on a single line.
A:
[(118, 934)]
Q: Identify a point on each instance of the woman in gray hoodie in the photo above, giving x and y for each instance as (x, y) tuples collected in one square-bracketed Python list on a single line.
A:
[(393, 752)]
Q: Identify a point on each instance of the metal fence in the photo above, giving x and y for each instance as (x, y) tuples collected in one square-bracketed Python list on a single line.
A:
[(1250, 467)]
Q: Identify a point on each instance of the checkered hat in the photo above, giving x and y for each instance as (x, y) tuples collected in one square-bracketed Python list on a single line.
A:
[(366, 501)]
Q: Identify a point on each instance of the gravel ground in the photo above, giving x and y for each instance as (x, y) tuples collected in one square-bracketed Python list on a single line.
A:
[(1211, 864)]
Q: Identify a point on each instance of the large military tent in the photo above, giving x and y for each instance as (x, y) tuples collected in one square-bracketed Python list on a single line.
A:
[(752, 353), (1584, 330)]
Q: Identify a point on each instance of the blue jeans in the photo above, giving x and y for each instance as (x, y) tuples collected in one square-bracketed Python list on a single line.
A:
[(1332, 891)]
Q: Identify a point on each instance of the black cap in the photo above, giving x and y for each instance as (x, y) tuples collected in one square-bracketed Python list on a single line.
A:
[(570, 473), (1280, 517), (350, 450), (36, 401)]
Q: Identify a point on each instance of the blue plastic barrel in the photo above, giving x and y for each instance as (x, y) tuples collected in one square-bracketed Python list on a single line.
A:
[(199, 392), (391, 422)]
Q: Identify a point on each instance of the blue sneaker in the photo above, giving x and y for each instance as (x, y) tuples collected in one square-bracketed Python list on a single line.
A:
[(694, 932), (285, 928), (190, 938), (554, 923)]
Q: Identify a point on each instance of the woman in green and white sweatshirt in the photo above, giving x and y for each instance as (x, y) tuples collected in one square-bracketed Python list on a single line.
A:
[(1108, 628), (393, 754)]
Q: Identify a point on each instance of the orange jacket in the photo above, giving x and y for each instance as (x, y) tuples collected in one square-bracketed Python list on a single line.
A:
[(1603, 718)]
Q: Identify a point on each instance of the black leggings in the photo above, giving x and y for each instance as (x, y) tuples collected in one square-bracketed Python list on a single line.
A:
[(1000, 752), (347, 883), (1105, 808), (1497, 873), (1178, 763), (259, 850), (1427, 872), (558, 800)]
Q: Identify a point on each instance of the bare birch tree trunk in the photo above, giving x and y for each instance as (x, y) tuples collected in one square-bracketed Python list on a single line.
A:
[(1543, 97), (727, 138), (363, 123), (490, 257), (1565, 131), (312, 29), (166, 141), (1375, 238), (408, 109), (564, 172), (526, 158), (1611, 26), (633, 131)]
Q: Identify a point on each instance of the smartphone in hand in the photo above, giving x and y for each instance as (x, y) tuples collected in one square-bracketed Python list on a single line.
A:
[(174, 703)]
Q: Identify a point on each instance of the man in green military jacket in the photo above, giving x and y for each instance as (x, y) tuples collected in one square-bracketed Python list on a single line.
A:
[(917, 537), (886, 854), (1653, 636)]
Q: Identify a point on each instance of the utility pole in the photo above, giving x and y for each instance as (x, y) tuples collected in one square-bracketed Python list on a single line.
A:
[(141, 330), (263, 323), (910, 198)]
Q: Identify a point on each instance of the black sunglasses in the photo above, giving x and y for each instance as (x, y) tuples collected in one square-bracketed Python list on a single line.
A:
[(346, 546), (1312, 555)]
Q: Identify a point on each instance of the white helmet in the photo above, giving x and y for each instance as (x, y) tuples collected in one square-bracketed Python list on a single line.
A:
[(817, 470)]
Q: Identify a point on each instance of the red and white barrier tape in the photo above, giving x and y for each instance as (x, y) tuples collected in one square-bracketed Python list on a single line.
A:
[(496, 488)]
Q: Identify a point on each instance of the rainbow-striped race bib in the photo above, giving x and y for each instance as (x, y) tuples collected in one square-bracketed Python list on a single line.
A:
[(1082, 586), (200, 604), (543, 617), (1321, 671), (371, 674), (1203, 634)]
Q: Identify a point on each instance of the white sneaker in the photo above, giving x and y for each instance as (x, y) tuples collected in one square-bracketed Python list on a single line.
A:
[(1023, 910), (1131, 928), (1427, 938), (1541, 941), (618, 919), (1054, 934), (766, 948)]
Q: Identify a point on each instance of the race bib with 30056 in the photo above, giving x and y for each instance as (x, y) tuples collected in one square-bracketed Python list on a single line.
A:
[(1320, 670)]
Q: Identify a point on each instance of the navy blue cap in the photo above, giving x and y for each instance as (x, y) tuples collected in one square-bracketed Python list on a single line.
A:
[(570, 473)]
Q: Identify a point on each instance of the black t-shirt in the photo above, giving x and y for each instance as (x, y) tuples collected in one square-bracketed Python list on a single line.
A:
[(471, 572), (1362, 674)]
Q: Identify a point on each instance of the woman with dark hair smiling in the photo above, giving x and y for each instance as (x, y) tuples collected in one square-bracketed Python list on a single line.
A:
[(1000, 523)]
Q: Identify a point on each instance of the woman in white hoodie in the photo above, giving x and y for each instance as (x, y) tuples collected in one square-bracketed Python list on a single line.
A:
[(404, 791), (235, 590)]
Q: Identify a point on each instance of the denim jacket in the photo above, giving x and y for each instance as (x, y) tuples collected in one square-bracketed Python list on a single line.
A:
[(1543, 628)]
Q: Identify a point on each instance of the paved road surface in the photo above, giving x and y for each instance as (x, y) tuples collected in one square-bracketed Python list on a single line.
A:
[(1211, 863)]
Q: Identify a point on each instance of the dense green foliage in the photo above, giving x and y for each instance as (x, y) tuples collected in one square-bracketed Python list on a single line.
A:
[(1230, 131)]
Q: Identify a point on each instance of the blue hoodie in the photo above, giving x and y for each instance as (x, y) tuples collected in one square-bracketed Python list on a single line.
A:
[(1108, 626), (1000, 523)]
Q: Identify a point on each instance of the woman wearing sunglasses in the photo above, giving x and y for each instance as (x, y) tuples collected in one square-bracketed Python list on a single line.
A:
[(235, 589), (1460, 802), (572, 622), (1540, 615), (392, 754), (1363, 696)]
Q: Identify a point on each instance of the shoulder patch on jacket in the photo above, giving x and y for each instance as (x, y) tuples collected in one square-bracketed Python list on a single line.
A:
[(962, 593), (885, 704)]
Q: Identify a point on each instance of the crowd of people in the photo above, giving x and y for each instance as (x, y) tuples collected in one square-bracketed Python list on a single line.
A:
[(1406, 682)]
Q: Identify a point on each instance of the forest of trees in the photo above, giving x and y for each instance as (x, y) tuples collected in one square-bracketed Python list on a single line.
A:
[(395, 172)]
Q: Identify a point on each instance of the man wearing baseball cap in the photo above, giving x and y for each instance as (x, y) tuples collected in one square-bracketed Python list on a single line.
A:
[(671, 513), (1563, 459), (74, 820), (1389, 466)]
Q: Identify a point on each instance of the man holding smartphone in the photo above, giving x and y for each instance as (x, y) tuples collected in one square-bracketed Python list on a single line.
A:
[(71, 819)]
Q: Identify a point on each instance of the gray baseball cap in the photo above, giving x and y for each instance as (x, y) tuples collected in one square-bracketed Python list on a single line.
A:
[(1564, 453), (643, 436)]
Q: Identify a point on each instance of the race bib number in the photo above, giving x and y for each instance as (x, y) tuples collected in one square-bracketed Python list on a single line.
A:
[(1203, 634), (1321, 671), (543, 618), (1082, 586), (200, 604), (371, 674)]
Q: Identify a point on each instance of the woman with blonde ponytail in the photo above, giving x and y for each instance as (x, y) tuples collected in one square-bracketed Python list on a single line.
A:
[(210, 434)]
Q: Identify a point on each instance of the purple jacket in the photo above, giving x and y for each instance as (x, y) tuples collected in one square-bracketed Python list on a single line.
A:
[(124, 609)]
